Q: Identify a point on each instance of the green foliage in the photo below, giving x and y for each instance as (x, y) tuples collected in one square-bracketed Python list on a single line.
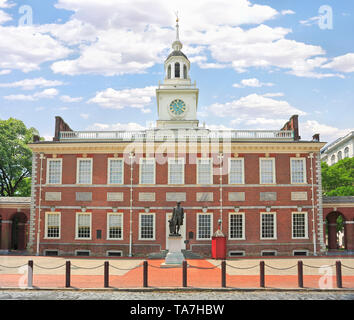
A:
[(338, 179), (15, 157)]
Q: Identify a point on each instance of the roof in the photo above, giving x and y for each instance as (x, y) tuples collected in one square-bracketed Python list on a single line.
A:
[(176, 53)]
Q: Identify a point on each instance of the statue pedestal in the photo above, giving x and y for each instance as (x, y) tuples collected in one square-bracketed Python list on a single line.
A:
[(175, 256)]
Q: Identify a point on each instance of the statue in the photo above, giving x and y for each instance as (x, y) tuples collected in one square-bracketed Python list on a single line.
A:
[(176, 220)]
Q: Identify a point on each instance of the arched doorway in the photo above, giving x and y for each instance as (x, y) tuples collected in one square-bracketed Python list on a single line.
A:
[(335, 231), (18, 231)]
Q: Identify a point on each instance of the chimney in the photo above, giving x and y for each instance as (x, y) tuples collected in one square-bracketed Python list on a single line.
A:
[(316, 137), (60, 125)]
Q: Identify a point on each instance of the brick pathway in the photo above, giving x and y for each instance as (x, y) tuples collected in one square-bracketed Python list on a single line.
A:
[(201, 273)]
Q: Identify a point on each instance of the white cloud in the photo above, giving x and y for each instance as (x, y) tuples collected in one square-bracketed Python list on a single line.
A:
[(253, 82), (6, 4), (70, 99), (4, 72), (343, 63), (24, 48), (45, 94), (4, 17), (273, 94), (131, 126), (84, 116), (30, 84), (311, 21), (285, 12), (119, 99)]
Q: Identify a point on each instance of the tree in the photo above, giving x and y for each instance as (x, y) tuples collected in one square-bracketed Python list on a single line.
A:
[(338, 179), (15, 157)]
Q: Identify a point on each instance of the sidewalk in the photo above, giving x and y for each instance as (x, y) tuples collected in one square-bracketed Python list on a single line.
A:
[(49, 272)]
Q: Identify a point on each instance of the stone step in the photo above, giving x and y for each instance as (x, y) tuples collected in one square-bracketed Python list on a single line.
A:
[(186, 253)]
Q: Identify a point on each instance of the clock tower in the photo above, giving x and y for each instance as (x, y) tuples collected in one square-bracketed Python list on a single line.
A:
[(177, 97)]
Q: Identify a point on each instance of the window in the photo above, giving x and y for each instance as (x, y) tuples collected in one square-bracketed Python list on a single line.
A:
[(147, 171), (83, 225), (52, 225), (185, 71), (267, 170), (268, 253), (346, 152), (176, 171), (236, 226), (236, 171), (204, 226), (82, 253), (298, 170), (300, 253), (237, 253), (333, 159), (339, 155), (204, 171), (147, 226), (169, 72), (299, 225), (84, 171), (115, 171), (115, 253), (114, 226), (51, 252), (54, 171), (268, 225), (177, 70)]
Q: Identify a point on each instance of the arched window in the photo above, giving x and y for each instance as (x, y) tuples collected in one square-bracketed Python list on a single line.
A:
[(333, 159), (346, 152), (177, 70), (339, 155), (169, 72), (185, 71)]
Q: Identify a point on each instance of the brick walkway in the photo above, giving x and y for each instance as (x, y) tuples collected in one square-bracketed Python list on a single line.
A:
[(242, 273)]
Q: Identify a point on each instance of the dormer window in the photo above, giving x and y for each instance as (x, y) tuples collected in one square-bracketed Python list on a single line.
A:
[(169, 72), (177, 70), (184, 71)]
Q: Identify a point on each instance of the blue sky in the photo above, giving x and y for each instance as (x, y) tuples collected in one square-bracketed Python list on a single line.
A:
[(97, 63)]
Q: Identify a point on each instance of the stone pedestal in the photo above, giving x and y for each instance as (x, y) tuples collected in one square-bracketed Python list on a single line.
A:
[(175, 256)]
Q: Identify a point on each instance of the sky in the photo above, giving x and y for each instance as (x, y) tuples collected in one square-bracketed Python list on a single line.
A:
[(97, 63)]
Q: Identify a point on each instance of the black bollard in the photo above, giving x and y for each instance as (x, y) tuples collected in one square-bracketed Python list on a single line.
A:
[(106, 274), (300, 274), (145, 274), (223, 274), (67, 274), (339, 274), (30, 274), (261, 275), (184, 275)]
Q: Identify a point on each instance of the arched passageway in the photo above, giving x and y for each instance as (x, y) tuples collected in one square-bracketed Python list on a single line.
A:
[(336, 231), (18, 231)]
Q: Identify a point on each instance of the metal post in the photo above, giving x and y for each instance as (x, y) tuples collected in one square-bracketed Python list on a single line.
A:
[(300, 274), (339, 274), (184, 265), (106, 274), (145, 274), (261, 270), (311, 156), (223, 274), (30, 274), (67, 274), (131, 157)]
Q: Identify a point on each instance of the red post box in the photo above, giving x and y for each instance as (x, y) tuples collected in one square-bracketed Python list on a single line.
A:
[(218, 247)]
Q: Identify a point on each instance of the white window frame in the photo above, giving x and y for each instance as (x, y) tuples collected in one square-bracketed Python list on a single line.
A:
[(154, 226), (243, 169), (304, 172), (61, 169), (243, 225), (211, 170), (140, 170), (77, 225), (346, 152), (299, 250), (305, 213), (211, 225), (114, 251), (260, 171), (46, 225), (82, 250), (122, 227), (183, 169), (77, 170), (269, 250), (274, 226), (109, 171), (243, 253)]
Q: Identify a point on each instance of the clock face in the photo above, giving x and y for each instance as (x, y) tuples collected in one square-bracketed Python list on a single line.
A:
[(177, 107)]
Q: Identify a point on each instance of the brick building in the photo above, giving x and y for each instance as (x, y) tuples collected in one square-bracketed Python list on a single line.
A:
[(112, 193)]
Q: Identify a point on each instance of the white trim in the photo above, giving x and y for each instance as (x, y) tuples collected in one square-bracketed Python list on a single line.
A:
[(304, 171), (306, 225), (77, 170), (243, 170), (76, 225), (154, 226), (183, 170), (260, 170), (61, 170), (243, 225), (46, 225), (211, 225), (211, 170), (109, 171), (140, 166), (117, 214), (274, 227)]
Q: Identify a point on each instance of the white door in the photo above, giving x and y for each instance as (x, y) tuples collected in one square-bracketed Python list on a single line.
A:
[(182, 230)]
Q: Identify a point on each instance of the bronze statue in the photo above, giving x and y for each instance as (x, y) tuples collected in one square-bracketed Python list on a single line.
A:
[(177, 220)]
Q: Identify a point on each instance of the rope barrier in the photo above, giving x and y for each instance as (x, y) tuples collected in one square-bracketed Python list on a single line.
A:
[(204, 268), (229, 265), (48, 268), (280, 268), (316, 267), (159, 267), (138, 266), (13, 267), (87, 268), (347, 267)]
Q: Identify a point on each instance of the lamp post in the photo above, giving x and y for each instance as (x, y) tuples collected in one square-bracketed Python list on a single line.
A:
[(131, 157)]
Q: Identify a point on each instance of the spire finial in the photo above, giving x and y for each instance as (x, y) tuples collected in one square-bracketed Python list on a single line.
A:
[(177, 26)]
